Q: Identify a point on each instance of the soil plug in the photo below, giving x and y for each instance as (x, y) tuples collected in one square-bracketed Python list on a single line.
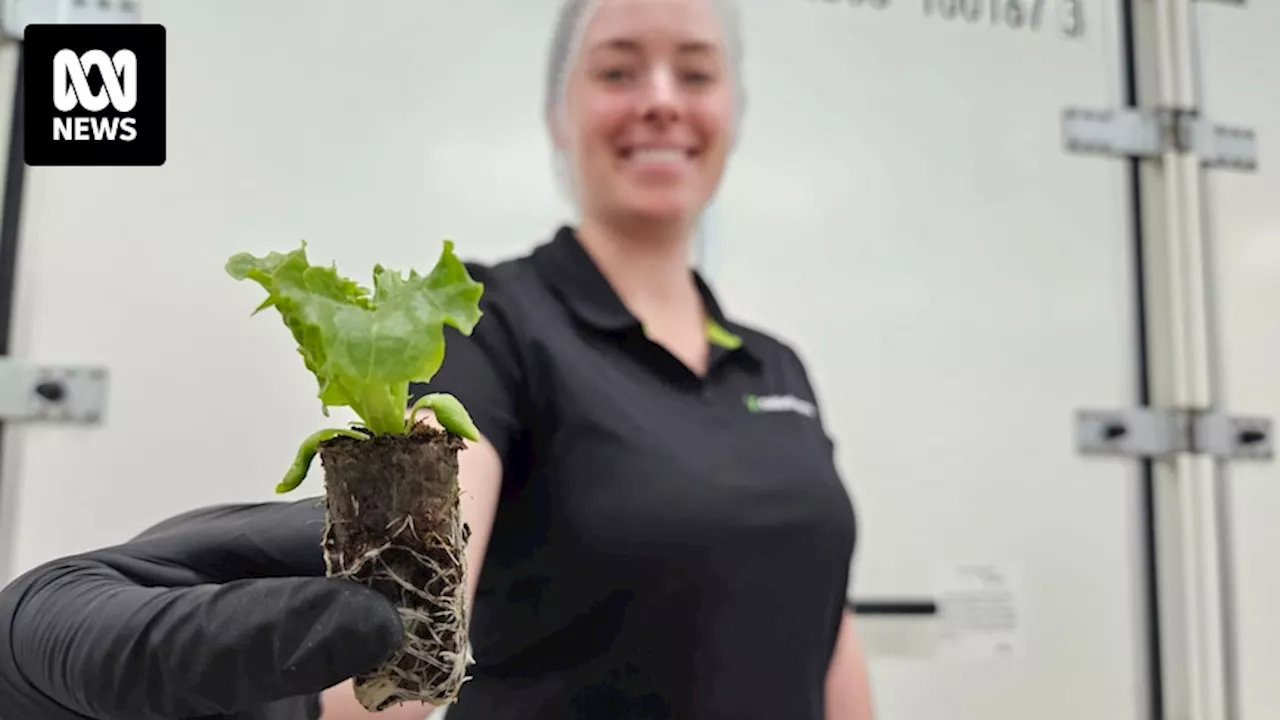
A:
[(392, 519)]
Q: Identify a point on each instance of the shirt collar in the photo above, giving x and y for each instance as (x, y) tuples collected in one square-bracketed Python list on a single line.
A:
[(571, 273)]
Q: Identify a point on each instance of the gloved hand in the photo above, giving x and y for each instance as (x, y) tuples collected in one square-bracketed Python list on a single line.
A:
[(222, 612)]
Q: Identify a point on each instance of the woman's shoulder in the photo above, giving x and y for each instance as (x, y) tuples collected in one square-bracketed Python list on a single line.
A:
[(517, 303), (771, 346), (782, 358), (510, 281)]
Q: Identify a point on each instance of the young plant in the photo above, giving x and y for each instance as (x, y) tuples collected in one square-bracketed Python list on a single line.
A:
[(392, 520)]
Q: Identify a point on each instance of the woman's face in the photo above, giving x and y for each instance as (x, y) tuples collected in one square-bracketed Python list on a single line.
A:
[(649, 110)]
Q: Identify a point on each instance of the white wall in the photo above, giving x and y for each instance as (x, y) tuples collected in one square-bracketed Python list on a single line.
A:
[(900, 208)]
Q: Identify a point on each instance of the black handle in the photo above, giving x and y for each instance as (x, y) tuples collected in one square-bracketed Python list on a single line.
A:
[(51, 390), (1252, 437), (1114, 430), (923, 607)]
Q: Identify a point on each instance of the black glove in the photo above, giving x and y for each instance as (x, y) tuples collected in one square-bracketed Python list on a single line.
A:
[(221, 612)]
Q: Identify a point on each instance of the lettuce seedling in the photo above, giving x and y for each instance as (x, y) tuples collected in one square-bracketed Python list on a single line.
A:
[(392, 514), (365, 347)]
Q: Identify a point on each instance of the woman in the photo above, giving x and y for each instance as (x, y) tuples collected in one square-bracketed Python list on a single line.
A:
[(645, 545), (658, 528)]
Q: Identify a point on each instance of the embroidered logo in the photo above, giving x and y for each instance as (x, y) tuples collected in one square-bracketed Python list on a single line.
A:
[(779, 403)]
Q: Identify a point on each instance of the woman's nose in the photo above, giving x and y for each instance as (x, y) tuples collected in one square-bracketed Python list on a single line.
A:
[(662, 95)]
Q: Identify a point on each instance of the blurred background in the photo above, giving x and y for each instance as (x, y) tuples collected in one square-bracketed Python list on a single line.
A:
[(964, 264)]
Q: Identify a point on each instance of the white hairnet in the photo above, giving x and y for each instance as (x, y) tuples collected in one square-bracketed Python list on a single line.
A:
[(567, 42)]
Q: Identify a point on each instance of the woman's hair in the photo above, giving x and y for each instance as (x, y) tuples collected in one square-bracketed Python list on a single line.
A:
[(566, 42)]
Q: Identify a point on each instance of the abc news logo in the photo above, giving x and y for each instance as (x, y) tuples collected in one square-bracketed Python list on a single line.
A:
[(107, 105), (71, 90)]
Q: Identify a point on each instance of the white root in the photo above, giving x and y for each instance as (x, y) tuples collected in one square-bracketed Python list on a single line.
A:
[(435, 643)]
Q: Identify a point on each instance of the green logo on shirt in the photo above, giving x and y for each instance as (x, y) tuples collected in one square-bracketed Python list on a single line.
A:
[(779, 403)]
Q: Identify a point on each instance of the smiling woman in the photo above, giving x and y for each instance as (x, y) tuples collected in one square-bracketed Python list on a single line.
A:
[(619, 568), (604, 63)]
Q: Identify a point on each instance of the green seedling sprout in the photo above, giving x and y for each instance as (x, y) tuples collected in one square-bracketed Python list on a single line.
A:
[(365, 347)]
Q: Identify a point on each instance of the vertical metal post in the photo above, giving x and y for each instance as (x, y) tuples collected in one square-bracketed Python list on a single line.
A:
[(1191, 551), (10, 229), (14, 180)]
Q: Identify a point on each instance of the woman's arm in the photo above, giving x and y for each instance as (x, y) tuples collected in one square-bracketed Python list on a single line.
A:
[(848, 683), (480, 477)]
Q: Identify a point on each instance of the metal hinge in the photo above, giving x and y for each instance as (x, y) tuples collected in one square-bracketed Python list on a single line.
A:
[(31, 393), (1150, 133), (1155, 432)]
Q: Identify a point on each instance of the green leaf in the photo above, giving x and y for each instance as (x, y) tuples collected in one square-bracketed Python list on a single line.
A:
[(287, 277), (306, 453), (449, 411), (363, 347)]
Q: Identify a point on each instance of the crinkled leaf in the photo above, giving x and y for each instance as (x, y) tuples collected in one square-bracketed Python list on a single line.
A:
[(402, 338), (289, 277), (363, 348)]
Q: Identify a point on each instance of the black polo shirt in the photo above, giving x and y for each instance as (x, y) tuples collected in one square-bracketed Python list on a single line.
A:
[(666, 545)]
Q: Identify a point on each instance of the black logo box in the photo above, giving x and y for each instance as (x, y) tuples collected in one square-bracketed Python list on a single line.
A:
[(40, 116)]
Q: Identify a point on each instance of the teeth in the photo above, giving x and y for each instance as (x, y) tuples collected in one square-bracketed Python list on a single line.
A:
[(658, 155)]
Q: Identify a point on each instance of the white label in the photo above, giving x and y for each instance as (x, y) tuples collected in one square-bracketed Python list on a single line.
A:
[(980, 614)]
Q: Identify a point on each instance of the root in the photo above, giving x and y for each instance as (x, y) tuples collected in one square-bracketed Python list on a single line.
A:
[(431, 663)]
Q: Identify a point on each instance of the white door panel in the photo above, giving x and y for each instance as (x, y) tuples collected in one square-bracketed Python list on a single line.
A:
[(1238, 61), (901, 208)]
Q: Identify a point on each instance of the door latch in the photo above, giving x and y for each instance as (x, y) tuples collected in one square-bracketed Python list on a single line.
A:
[(1159, 432), (67, 394), (1141, 133)]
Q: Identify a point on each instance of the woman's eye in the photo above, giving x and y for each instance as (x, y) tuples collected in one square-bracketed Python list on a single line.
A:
[(615, 74)]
